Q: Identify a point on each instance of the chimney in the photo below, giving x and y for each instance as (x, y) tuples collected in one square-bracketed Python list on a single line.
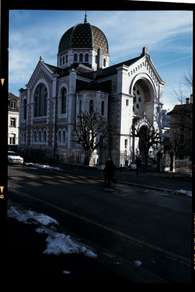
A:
[(187, 100), (191, 98)]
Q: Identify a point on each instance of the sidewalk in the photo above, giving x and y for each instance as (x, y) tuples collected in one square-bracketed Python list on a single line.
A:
[(156, 181), (170, 182)]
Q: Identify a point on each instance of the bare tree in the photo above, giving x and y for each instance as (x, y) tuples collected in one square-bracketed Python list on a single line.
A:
[(188, 80), (90, 131), (185, 88), (181, 96)]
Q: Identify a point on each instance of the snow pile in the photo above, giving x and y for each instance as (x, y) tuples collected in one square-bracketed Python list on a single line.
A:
[(28, 216), (66, 272), (45, 166), (184, 192), (138, 263), (58, 243)]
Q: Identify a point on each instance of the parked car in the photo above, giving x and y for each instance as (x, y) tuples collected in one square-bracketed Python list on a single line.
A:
[(132, 166), (14, 158)]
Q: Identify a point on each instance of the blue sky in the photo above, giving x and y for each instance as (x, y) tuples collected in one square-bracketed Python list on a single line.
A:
[(167, 34)]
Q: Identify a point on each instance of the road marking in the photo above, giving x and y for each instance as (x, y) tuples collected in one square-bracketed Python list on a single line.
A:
[(141, 243)]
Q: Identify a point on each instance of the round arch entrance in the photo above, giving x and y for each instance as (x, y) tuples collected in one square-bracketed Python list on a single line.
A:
[(143, 141), (144, 92)]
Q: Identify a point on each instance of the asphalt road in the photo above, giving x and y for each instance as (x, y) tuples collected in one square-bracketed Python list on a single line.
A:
[(126, 225)]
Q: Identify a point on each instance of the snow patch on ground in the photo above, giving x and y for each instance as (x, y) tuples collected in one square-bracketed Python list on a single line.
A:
[(184, 192), (28, 216), (57, 243), (45, 166), (66, 272), (138, 263)]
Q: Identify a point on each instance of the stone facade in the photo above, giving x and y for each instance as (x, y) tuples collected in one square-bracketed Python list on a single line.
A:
[(126, 90), (13, 120), (181, 129)]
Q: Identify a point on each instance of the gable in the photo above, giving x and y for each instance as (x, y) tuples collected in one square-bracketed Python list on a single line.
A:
[(41, 72), (145, 65)]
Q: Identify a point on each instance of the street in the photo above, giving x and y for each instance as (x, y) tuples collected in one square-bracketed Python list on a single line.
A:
[(128, 223)]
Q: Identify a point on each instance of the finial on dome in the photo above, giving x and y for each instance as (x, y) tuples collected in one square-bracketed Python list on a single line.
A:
[(144, 51), (85, 19)]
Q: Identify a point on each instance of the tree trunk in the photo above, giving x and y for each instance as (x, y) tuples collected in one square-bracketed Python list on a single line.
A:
[(87, 158)]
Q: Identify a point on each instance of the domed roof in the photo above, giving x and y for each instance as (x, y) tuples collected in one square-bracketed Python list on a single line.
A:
[(83, 35)]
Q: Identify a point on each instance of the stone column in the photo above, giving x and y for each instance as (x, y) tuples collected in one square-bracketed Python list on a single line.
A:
[(71, 106), (52, 119)]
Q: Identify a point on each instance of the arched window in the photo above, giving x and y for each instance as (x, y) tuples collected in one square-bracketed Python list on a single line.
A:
[(40, 136), (59, 137), (102, 108), (104, 62), (63, 100), (44, 136), (24, 109), (86, 58), (80, 106), (81, 58), (63, 137), (40, 100), (75, 58), (35, 136), (91, 106)]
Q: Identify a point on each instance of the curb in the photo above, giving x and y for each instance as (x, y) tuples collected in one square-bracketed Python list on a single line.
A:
[(149, 187)]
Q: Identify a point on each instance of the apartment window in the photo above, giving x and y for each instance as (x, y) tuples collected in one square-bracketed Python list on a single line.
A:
[(12, 140), (13, 122), (12, 104)]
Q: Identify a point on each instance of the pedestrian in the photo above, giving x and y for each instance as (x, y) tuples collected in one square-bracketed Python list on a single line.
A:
[(138, 165), (109, 172)]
